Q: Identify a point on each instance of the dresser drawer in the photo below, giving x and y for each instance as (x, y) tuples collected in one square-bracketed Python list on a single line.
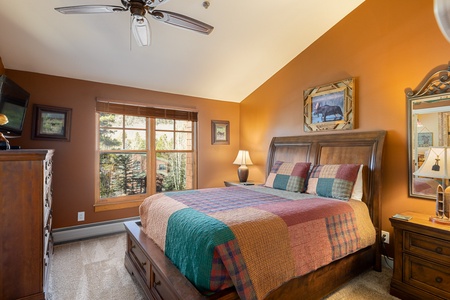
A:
[(161, 288), (143, 263), (428, 276), (426, 246)]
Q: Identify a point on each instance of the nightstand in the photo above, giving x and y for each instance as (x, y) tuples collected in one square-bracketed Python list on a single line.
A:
[(233, 183), (421, 258)]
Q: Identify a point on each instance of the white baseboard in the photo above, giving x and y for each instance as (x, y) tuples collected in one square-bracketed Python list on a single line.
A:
[(76, 233)]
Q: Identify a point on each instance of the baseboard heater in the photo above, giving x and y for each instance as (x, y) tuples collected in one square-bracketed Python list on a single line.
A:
[(82, 232)]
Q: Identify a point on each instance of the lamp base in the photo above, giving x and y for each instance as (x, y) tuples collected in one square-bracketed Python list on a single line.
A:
[(4, 145), (243, 173), (438, 220)]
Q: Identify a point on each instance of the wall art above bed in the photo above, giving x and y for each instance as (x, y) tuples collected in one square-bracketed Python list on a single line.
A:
[(330, 106)]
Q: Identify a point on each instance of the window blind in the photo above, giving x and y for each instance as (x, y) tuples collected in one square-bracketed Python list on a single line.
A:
[(144, 111)]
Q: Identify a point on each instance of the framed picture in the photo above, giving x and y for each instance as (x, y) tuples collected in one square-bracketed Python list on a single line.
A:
[(220, 132), (330, 106), (425, 139), (51, 123)]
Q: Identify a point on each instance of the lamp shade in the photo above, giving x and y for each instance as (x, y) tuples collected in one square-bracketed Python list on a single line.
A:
[(141, 30), (243, 158), (437, 163), (3, 119)]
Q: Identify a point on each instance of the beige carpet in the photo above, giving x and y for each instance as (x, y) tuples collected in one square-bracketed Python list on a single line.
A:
[(93, 269)]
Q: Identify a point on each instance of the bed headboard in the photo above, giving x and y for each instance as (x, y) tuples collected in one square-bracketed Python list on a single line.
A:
[(352, 147)]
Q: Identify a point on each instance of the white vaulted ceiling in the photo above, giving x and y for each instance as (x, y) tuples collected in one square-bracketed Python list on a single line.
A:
[(250, 42)]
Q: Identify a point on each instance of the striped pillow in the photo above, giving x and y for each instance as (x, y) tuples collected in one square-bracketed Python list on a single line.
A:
[(288, 176), (333, 181)]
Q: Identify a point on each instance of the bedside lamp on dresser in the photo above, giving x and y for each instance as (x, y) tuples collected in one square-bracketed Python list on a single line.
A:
[(243, 160), (437, 166)]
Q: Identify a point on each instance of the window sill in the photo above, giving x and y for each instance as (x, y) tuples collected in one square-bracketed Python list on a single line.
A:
[(99, 207)]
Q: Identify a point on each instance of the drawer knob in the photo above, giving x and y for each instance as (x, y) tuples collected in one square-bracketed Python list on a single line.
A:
[(156, 283), (438, 279), (438, 250)]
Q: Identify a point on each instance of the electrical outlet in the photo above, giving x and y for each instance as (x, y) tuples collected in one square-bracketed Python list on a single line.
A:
[(385, 236), (80, 216)]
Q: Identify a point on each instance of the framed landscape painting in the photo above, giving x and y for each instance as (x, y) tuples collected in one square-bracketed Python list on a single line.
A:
[(51, 123), (220, 132)]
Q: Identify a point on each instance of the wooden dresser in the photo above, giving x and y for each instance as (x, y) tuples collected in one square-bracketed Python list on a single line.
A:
[(421, 258), (25, 223)]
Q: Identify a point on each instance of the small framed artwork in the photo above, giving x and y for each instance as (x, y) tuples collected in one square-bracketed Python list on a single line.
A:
[(220, 132), (51, 123), (425, 139), (330, 106)]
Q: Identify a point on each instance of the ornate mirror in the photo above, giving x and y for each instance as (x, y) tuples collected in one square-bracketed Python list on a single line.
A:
[(428, 133)]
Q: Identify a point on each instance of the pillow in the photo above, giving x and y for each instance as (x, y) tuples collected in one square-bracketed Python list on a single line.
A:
[(357, 193), (333, 181), (288, 176)]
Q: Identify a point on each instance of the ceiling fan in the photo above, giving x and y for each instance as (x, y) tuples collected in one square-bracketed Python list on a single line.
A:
[(139, 23)]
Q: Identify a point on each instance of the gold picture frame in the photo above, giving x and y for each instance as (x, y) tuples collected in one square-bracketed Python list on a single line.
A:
[(220, 132), (330, 106), (51, 123)]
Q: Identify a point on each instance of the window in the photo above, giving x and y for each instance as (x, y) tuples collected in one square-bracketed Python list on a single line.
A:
[(140, 153), (174, 155)]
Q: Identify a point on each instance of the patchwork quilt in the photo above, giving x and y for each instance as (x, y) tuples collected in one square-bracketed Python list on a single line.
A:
[(253, 238)]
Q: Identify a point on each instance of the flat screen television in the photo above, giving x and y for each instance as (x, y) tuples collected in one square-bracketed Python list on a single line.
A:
[(13, 103)]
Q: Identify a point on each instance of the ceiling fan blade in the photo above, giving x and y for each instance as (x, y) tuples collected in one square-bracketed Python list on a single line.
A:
[(90, 9), (155, 3), (141, 30), (181, 21)]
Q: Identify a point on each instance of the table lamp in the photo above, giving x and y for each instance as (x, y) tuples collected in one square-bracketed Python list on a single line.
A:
[(437, 165), (3, 141), (243, 159)]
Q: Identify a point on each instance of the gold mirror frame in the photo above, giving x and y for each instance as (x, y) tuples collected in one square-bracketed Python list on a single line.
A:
[(428, 125)]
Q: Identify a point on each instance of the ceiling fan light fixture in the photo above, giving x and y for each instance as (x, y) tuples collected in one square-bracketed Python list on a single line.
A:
[(141, 30)]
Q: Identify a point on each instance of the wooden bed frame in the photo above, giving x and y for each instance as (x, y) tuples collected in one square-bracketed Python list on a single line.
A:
[(160, 279)]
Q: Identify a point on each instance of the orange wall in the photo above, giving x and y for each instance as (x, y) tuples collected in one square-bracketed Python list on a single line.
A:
[(73, 183), (387, 46)]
